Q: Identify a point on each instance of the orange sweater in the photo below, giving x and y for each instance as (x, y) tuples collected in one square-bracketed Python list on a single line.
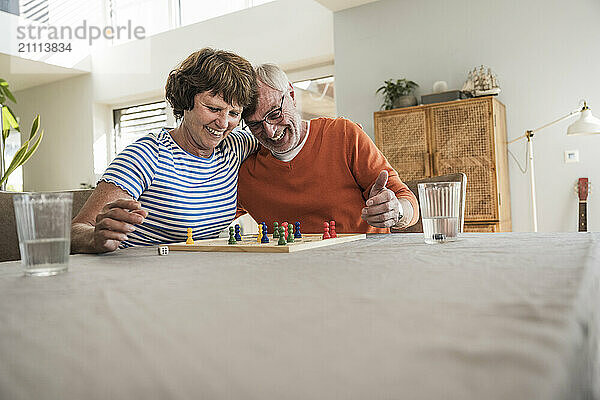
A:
[(328, 180)]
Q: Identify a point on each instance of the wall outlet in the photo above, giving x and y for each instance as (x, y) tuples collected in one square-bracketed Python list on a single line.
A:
[(571, 156)]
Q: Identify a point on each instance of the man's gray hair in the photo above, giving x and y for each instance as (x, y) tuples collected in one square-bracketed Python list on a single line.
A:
[(272, 76)]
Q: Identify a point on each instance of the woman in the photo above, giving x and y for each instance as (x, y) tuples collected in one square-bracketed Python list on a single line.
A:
[(165, 183)]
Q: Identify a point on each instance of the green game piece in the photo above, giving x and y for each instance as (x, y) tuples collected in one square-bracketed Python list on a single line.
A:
[(290, 237), (231, 236), (281, 241), (275, 230)]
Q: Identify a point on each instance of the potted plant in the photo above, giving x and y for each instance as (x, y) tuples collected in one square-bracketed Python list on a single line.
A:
[(8, 123), (398, 94)]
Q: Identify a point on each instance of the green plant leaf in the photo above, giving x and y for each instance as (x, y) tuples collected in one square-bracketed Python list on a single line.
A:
[(23, 154), (15, 161), (34, 127), (8, 93), (33, 148), (8, 119), (12, 113)]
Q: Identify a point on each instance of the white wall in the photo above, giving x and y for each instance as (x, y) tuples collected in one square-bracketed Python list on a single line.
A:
[(64, 158), (546, 54), (293, 33)]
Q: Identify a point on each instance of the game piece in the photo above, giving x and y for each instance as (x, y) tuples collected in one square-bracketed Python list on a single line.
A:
[(332, 232), (163, 250), (297, 233), (265, 237), (275, 230), (231, 236), (326, 231), (238, 237), (259, 237), (281, 236), (290, 236), (285, 229), (189, 240)]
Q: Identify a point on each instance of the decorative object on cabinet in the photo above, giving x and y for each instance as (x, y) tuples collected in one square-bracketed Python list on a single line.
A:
[(398, 94), (439, 87), (466, 136), (586, 124), (481, 82), (450, 95)]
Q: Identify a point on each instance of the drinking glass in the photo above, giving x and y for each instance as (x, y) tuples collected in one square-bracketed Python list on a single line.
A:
[(440, 211), (44, 229)]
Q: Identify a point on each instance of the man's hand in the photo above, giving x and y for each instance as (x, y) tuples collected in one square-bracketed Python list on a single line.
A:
[(383, 209), (114, 222)]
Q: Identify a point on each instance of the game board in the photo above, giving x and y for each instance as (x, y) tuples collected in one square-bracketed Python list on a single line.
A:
[(250, 244)]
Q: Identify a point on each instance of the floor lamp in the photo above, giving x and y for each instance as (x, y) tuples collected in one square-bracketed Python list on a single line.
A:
[(586, 124)]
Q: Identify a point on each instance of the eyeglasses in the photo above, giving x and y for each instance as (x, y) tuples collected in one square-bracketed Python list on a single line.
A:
[(274, 117)]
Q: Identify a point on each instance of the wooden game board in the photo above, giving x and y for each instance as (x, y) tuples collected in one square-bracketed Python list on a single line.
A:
[(249, 244)]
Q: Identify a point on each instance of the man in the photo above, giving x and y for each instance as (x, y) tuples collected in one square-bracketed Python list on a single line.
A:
[(315, 171)]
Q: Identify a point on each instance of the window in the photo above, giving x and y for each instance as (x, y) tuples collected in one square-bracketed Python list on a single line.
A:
[(10, 6), (316, 97), (36, 10), (62, 13), (192, 11), (132, 123), (152, 15)]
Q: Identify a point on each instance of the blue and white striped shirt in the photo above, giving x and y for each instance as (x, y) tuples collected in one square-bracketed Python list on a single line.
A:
[(180, 190)]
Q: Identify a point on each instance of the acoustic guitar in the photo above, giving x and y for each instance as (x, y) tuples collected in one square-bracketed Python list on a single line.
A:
[(582, 192)]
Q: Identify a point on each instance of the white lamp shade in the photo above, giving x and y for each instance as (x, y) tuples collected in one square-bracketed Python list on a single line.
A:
[(586, 124)]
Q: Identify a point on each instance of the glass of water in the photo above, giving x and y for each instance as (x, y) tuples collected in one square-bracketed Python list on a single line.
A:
[(44, 229), (440, 211)]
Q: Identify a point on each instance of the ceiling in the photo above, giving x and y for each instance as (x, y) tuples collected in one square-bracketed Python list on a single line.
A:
[(338, 5), (32, 73)]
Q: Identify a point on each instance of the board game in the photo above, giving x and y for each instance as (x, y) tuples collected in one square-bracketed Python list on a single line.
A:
[(249, 243)]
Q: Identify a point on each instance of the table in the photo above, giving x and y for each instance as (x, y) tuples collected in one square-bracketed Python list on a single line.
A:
[(491, 316)]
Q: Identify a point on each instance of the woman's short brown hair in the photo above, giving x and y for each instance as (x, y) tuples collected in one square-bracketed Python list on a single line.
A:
[(216, 71)]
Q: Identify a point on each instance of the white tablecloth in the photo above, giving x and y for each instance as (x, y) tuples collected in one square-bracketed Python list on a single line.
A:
[(491, 316)]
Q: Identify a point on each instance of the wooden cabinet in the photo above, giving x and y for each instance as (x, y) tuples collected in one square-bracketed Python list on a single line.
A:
[(460, 136)]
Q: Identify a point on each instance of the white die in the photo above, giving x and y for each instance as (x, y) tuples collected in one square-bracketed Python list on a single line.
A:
[(163, 250)]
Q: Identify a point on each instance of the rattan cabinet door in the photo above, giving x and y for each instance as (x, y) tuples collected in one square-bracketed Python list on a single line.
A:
[(402, 138), (462, 140)]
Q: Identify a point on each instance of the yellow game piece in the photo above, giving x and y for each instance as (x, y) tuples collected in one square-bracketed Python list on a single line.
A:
[(259, 237), (189, 237)]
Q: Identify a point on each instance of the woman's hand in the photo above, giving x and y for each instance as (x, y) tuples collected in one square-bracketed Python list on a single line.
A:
[(114, 222), (105, 220)]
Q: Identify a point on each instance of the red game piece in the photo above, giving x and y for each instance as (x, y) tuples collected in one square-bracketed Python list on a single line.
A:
[(332, 232), (284, 224), (326, 230)]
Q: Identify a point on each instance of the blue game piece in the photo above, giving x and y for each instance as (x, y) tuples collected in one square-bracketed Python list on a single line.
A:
[(238, 237), (265, 235), (297, 233)]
